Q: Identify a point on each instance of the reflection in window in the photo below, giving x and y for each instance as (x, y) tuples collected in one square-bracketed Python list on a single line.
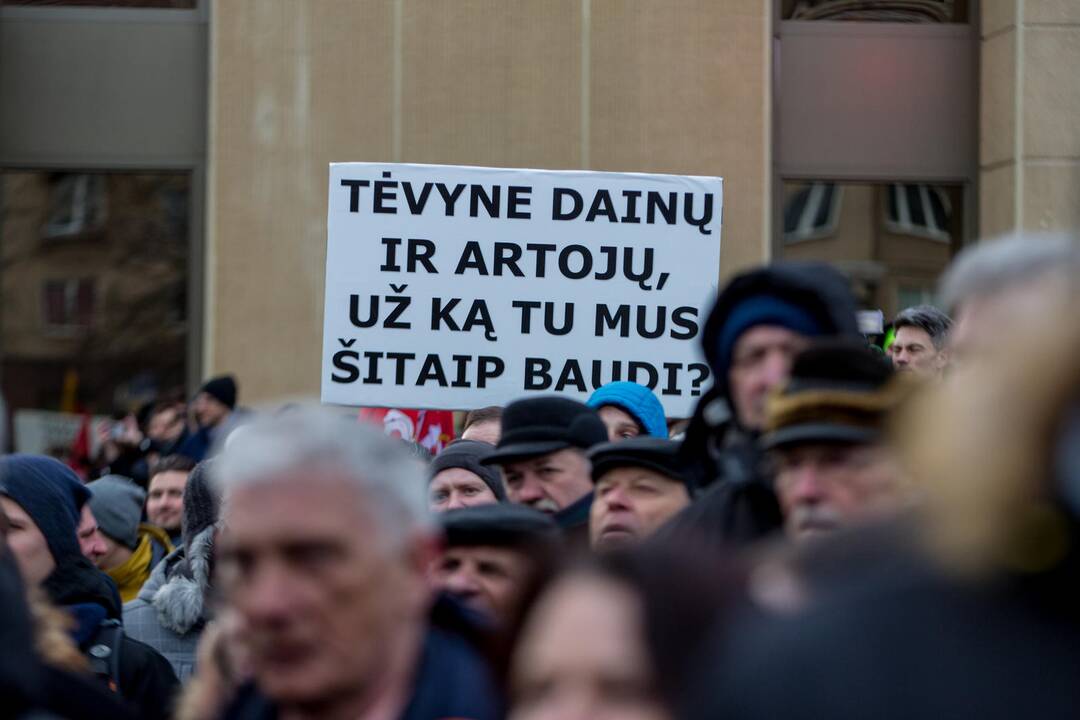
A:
[(93, 291), (918, 210), (904, 11), (812, 212), (76, 204), (68, 304), (892, 240)]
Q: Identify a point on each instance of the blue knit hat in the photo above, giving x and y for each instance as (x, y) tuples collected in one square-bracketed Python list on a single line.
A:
[(51, 494), (763, 310), (635, 399)]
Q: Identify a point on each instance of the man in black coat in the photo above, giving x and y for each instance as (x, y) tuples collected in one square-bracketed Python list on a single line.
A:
[(43, 500), (761, 320)]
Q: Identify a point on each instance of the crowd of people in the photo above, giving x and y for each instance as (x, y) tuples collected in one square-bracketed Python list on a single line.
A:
[(847, 527)]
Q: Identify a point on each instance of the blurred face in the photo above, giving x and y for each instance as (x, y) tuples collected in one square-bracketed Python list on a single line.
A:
[(631, 504), (913, 351), (558, 676), (822, 487), (488, 579), (27, 544), (455, 488), (620, 424), (760, 361), (166, 426), (326, 601), (488, 431), (115, 555), (549, 483), (209, 411), (91, 541), (165, 499)]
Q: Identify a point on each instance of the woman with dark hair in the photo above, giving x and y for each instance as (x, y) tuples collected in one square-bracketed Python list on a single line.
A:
[(618, 637)]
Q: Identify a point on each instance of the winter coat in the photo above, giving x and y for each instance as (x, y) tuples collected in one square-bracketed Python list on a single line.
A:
[(905, 645), (716, 448), (451, 682), (169, 613), (146, 680), (28, 686)]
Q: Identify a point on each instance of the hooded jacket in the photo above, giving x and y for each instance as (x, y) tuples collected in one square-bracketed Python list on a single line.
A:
[(716, 447), (169, 613), (29, 686), (146, 680)]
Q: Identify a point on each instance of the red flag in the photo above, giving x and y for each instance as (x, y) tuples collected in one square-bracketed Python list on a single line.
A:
[(432, 429), (79, 458)]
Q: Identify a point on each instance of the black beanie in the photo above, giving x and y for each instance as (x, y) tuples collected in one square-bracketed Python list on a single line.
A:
[(467, 454), (51, 494), (222, 389)]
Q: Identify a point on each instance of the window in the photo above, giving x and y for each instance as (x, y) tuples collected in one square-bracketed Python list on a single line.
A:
[(811, 212), (910, 295), (76, 204), (892, 240), (905, 11), (96, 322), (918, 210), (68, 304)]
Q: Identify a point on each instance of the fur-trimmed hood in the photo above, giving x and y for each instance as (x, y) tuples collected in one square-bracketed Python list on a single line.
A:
[(178, 587)]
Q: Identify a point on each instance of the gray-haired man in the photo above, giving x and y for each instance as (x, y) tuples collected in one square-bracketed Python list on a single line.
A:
[(323, 555), (919, 345)]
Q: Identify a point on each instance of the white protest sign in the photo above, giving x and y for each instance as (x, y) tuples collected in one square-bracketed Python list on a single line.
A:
[(459, 287)]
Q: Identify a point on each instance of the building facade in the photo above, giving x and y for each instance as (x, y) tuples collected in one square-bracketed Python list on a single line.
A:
[(844, 131)]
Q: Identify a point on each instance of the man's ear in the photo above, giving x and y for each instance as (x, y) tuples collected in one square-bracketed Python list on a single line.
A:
[(942, 360), (423, 549)]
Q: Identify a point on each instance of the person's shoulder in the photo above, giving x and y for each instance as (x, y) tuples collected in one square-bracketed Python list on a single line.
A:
[(136, 657), (71, 695)]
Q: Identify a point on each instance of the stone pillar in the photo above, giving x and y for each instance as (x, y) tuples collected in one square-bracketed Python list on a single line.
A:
[(1029, 151)]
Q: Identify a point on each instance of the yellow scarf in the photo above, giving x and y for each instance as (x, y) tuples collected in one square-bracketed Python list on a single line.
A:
[(130, 576)]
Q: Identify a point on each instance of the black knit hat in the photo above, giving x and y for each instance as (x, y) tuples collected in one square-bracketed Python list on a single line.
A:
[(839, 391), (657, 454), (501, 525), (542, 425), (467, 455), (222, 389)]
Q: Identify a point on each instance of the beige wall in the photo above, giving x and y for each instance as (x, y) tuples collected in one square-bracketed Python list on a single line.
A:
[(1029, 153), (676, 86)]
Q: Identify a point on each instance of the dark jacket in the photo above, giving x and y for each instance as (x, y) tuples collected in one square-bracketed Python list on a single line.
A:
[(30, 688), (146, 680), (909, 642), (573, 521), (451, 682), (716, 448)]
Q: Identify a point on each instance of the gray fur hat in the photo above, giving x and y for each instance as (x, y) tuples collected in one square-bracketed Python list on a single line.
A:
[(202, 502)]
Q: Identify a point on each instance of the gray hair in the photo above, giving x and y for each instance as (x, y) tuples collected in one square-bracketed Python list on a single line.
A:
[(388, 481), (1000, 264), (928, 318)]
